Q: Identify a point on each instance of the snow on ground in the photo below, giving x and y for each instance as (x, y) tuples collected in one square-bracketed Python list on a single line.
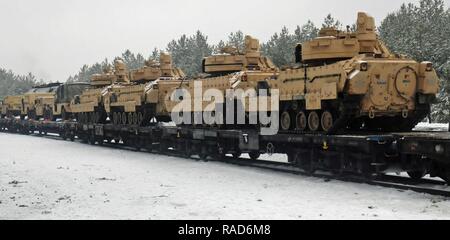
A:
[(423, 126), (43, 178)]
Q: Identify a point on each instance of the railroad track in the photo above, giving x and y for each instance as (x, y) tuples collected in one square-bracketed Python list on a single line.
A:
[(429, 186)]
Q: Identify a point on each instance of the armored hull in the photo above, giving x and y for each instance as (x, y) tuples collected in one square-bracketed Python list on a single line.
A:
[(89, 106), (125, 103), (350, 80), (11, 106)]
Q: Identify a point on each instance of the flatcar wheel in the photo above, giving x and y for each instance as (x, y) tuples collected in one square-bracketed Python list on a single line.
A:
[(313, 121), (285, 121), (203, 156), (416, 175), (237, 155), (301, 122), (326, 121), (254, 155)]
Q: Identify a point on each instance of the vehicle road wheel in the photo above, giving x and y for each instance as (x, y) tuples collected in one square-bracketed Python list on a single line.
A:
[(301, 122), (285, 121), (313, 121), (416, 175), (130, 118), (326, 121), (124, 118), (140, 118)]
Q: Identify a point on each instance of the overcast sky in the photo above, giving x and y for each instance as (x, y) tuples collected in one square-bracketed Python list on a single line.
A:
[(54, 38)]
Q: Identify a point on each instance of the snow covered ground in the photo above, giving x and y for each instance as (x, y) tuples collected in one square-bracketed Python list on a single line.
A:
[(423, 126), (42, 178)]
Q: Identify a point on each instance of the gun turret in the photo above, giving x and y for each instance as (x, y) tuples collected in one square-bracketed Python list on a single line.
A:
[(231, 60), (334, 45)]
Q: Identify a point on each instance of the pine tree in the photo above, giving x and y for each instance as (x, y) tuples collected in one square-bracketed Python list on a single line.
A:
[(330, 22), (422, 32), (13, 84), (155, 55), (188, 52), (306, 32), (218, 48), (280, 47), (237, 40)]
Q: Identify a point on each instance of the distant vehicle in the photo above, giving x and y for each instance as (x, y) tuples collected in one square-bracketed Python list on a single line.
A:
[(58, 105), (11, 106), (126, 103), (34, 100), (88, 106)]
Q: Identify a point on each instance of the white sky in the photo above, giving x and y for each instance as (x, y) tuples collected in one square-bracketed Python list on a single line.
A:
[(54, 38)]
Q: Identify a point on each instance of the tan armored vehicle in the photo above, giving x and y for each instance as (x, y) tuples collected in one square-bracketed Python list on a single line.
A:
[(158, 98), (88, 107), (11, 106), (37, 99), (351, 80), (125, 101), (58, 105), (230, 70)]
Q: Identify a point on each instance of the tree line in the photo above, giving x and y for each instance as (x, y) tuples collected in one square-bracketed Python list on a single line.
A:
[(13, 84), (420, 31)]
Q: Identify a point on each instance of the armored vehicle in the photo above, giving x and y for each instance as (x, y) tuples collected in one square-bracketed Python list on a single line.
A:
[(158, 98), (58, 105), (35, 101), (11, 106), (230, 70), (350, 80), (88, 107), (124, 102)]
